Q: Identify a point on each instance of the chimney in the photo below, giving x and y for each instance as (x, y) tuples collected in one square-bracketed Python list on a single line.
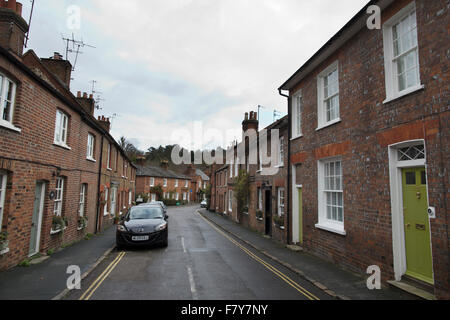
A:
[(104, 123), (190, 170), (61, 68), (12, 27), (165, 164), (140, 160), (250, 121), (88, 103)]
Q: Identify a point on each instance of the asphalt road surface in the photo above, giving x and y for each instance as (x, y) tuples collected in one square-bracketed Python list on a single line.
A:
[(200, 263)]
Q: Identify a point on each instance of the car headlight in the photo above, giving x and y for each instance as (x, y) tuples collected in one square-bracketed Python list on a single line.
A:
[(162, 226), (121, 228)]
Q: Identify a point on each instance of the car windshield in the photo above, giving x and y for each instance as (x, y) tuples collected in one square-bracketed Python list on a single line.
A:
[(140, 213)]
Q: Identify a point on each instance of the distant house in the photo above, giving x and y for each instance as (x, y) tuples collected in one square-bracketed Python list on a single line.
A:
[(174, 186)]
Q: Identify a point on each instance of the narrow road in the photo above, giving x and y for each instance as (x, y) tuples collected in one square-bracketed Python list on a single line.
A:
[(201, 262)]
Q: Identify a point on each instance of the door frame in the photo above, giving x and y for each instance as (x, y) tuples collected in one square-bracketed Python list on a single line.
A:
[(41, 214), (396, 191)]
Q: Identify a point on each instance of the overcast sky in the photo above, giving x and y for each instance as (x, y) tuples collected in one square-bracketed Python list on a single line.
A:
[(168, 65)]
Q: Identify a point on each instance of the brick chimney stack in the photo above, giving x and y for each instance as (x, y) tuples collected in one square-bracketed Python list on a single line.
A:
[(104, 122), (140, 160), (87, 102), (61, 68), (165, 165), (12, 27), (250, 121)]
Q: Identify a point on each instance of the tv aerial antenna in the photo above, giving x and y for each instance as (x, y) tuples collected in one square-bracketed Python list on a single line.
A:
[(98, 93), (112, 118), (74, 46), (276, 114), (27, 35)]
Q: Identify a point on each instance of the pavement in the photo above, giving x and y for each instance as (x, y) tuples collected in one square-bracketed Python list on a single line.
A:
[(47, 279), (339, 283)]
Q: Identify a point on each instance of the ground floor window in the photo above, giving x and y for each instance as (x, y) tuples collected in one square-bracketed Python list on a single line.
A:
[(230, 200), (259, 199), (59, 190), (280, 201), (176, 196), (184, 196), (2, 195), (105, 208), (153, 197), (331, 193), (130, 195), (81, 207), (113, 200)]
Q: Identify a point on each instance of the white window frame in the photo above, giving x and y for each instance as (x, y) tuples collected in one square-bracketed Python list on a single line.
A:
[(297, 108), (61, 129), (105, 209), (59, 196), (186, 184), (90, 147), (4, 81), (81, 207), (391, 77), (231, 168), (130, 195), (176, 182), (259, 199), (281, 201), (152, 182), (108, 163), (230, 200), (323, 221), (113, 200), (321, 102), (236, 167), (177, 196), (281, 151), (165, 183), (3, 178), (184, 196), (153, 197)]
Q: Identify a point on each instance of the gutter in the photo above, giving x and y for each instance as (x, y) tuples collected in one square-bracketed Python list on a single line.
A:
[(288, 186), (98, 186)]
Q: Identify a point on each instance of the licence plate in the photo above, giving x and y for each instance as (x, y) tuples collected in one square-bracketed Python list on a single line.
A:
[(140, 238)]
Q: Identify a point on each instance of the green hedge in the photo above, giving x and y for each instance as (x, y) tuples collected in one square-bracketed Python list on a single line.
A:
[(173, 202)]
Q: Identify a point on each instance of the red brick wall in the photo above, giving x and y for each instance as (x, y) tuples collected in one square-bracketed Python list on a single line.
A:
[(143, 186), (368, 126)]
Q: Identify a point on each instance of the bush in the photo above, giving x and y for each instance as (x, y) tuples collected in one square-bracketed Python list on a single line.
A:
[(259, 214), (279, 221)]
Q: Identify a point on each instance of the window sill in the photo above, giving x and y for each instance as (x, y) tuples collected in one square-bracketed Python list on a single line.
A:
[(106, 214), (109, 169), (331, 228), (4, 251), (91, 159), (297, 137), (280, 166), (325, 125), (404, 93), (62, 145), (259, 219), (57, 231), (9, 125)]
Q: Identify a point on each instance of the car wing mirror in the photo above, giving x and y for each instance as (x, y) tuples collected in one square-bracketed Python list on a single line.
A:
[(166, 217)]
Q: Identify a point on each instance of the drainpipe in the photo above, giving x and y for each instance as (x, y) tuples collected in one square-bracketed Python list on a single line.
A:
[(98, 186), (288, 220)]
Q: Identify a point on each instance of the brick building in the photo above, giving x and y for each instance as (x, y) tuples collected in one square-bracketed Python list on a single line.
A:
[(174, 186), (199, 182), (369, 146), (49, 149), (267, 192)]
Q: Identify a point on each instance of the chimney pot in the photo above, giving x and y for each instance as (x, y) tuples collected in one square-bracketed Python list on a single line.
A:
[(11, 4), (91, 96), (78, 94), (246, 116), (85, 95), (19, 8)]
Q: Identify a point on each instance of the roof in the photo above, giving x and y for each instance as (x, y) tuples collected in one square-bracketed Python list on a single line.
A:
[(67, 97), (203, 175), (331, 46), (153, 171)]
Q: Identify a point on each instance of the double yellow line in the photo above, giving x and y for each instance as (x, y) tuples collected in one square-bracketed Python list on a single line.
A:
[(94, 286), (277, 272)]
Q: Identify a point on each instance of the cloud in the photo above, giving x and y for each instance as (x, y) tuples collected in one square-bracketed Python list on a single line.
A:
[(163, 65)]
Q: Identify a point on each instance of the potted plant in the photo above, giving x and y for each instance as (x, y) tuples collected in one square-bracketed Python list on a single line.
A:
[(259, 215), (279, 221), (4, 241), (82, 222), (116, 219), (58, 223)]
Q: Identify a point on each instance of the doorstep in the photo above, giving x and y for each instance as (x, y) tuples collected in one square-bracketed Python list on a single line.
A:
[(411, 289), (294, 248)]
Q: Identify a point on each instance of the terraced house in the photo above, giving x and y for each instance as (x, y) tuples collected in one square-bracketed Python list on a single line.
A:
[(369, 144), (174, 186), (50, 150)]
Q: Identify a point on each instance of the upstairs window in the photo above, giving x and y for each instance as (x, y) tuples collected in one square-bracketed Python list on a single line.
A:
[(152, 182), (81, 207), (61, 127), (281, 152), (176, 182), (401, 53), (297, 115), (186, 183), (280, 202), (90, 147), (328, 94), (165, 183), (7, 97), (109, 157)]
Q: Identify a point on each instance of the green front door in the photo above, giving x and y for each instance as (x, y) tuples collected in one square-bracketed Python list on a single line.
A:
[(300, 216), (417, 227)]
